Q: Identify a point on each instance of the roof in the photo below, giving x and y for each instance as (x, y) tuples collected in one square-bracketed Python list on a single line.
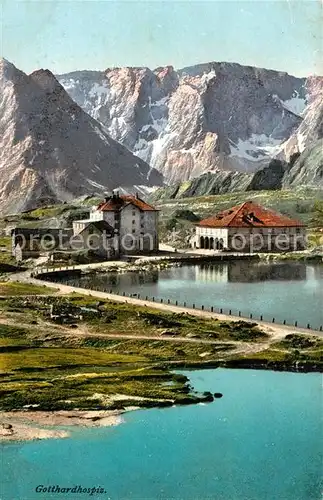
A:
[(100, 225), (249, 214), (116, 202)]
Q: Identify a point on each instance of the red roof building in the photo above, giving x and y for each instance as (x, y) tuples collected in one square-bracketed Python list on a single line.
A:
[(134, 222), (240, 227), (250, 214), (117, 202)]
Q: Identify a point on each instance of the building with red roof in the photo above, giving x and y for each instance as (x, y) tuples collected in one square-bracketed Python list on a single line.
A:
[(133, 220), (250, 227)]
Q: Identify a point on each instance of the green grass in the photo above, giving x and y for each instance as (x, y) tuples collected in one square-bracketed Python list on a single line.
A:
[(46, 212), (10, 288), (5, 242), (57, 368)]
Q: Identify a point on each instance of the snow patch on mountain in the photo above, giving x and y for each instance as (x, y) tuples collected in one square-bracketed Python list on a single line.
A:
[(207, 77), (256, 147), (211, 116)]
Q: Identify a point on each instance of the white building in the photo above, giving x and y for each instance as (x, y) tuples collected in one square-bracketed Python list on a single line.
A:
[(133, 221), (249, 228)]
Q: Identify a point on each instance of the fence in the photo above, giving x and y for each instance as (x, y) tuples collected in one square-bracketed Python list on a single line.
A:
[(162, 300)]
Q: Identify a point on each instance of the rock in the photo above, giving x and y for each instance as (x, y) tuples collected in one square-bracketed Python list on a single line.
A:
[(218, 395), (54, 151), (146, 110), (207, 396), (7, 426), (168, 332), (308, 168)]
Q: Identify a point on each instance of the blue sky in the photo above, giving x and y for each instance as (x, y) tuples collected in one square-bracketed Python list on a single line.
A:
[(95, 34)]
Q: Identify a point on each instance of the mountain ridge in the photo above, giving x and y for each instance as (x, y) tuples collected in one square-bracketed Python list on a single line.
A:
[(51, 150), (186, 122)]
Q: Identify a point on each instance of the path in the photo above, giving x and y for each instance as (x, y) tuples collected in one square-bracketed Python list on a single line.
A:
[(276, 330)]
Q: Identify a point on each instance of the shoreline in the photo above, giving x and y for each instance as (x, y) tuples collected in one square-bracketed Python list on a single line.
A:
[(29, 425), (20, 425)]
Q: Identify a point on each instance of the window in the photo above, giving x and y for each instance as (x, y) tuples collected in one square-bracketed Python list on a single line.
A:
[(134, 222), (134, 212), (133, 231), (142, 226)]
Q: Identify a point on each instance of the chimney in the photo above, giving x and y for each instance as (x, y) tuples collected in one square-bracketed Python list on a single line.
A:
[(106, 197), (137, 195)]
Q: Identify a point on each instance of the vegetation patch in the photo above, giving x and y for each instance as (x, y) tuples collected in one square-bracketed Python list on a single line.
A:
[(10, 288), (50, 366), (296, 341)]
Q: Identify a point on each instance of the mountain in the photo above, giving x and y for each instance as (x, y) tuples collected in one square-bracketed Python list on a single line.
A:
[(208, 117), (310, 129), (307, 170), (221, 182), (51, 150)]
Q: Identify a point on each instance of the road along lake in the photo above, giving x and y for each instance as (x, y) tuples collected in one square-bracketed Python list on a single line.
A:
[(290, 291)]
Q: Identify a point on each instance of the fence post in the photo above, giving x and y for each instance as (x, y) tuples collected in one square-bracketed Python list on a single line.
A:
[(308, 326), (221, 311), (202, 308), (250, 315), (284, 323), (184, 304), (153, 299), (176, 303), (211, 309), (273, 320), (146, 297), (193, 306), (295, 323), (168, 301), (239, 313), (138, 295), (229, 312), (161, 301), (321, 328), (261, 317)]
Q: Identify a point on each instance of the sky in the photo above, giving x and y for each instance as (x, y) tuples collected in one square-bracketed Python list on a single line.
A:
[(68, 35)]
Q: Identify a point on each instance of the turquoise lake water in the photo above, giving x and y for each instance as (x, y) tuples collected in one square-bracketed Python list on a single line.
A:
[(290, 291), (261, 441)]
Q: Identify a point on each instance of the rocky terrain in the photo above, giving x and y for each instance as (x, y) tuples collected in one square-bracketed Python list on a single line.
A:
[(208, 117), (51, 150)]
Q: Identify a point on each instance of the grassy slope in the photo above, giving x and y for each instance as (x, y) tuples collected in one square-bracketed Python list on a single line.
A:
[(56, 366), (15, 289)]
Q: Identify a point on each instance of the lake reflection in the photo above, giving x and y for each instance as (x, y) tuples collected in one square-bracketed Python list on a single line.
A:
[(290, 291)]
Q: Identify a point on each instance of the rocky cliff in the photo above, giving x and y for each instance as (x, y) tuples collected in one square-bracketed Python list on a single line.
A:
[(221, 182), (307, 170), (310, 129), (51, 150), (208, 117)]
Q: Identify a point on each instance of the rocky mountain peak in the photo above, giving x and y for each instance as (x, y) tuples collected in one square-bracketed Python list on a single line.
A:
[(47, 81), (210, 116), (52, 150), (10, 74)]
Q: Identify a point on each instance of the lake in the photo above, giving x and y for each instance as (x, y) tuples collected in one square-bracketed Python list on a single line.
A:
[(261, 441), (290, 291)]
